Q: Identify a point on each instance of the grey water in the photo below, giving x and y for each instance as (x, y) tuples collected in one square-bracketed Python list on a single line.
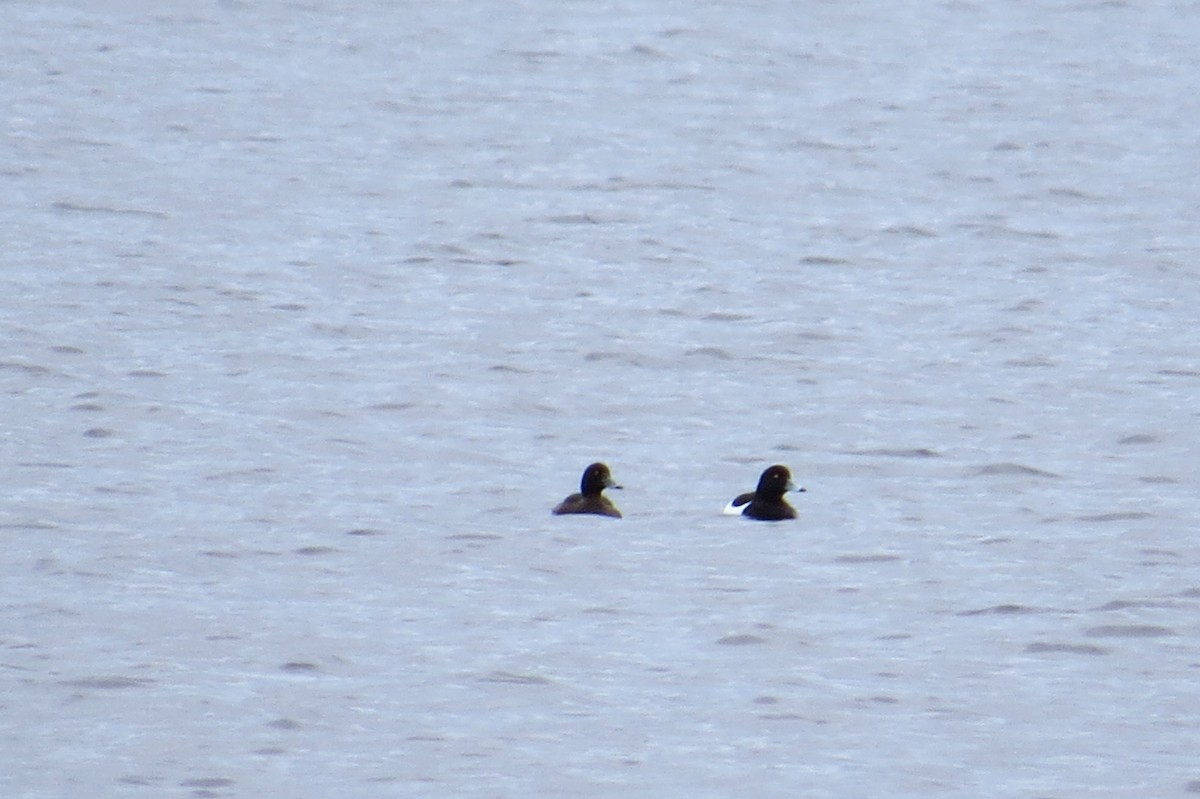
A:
[(313, 310)]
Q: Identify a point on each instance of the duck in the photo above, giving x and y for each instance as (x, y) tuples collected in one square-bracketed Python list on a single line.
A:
[(766, 503), (596, 478)]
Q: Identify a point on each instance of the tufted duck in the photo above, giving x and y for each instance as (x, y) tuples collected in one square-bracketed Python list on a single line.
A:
[(596, 478), (766, 503)]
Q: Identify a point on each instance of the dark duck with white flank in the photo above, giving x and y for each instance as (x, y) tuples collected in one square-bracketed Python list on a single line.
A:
[(766, 503)]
